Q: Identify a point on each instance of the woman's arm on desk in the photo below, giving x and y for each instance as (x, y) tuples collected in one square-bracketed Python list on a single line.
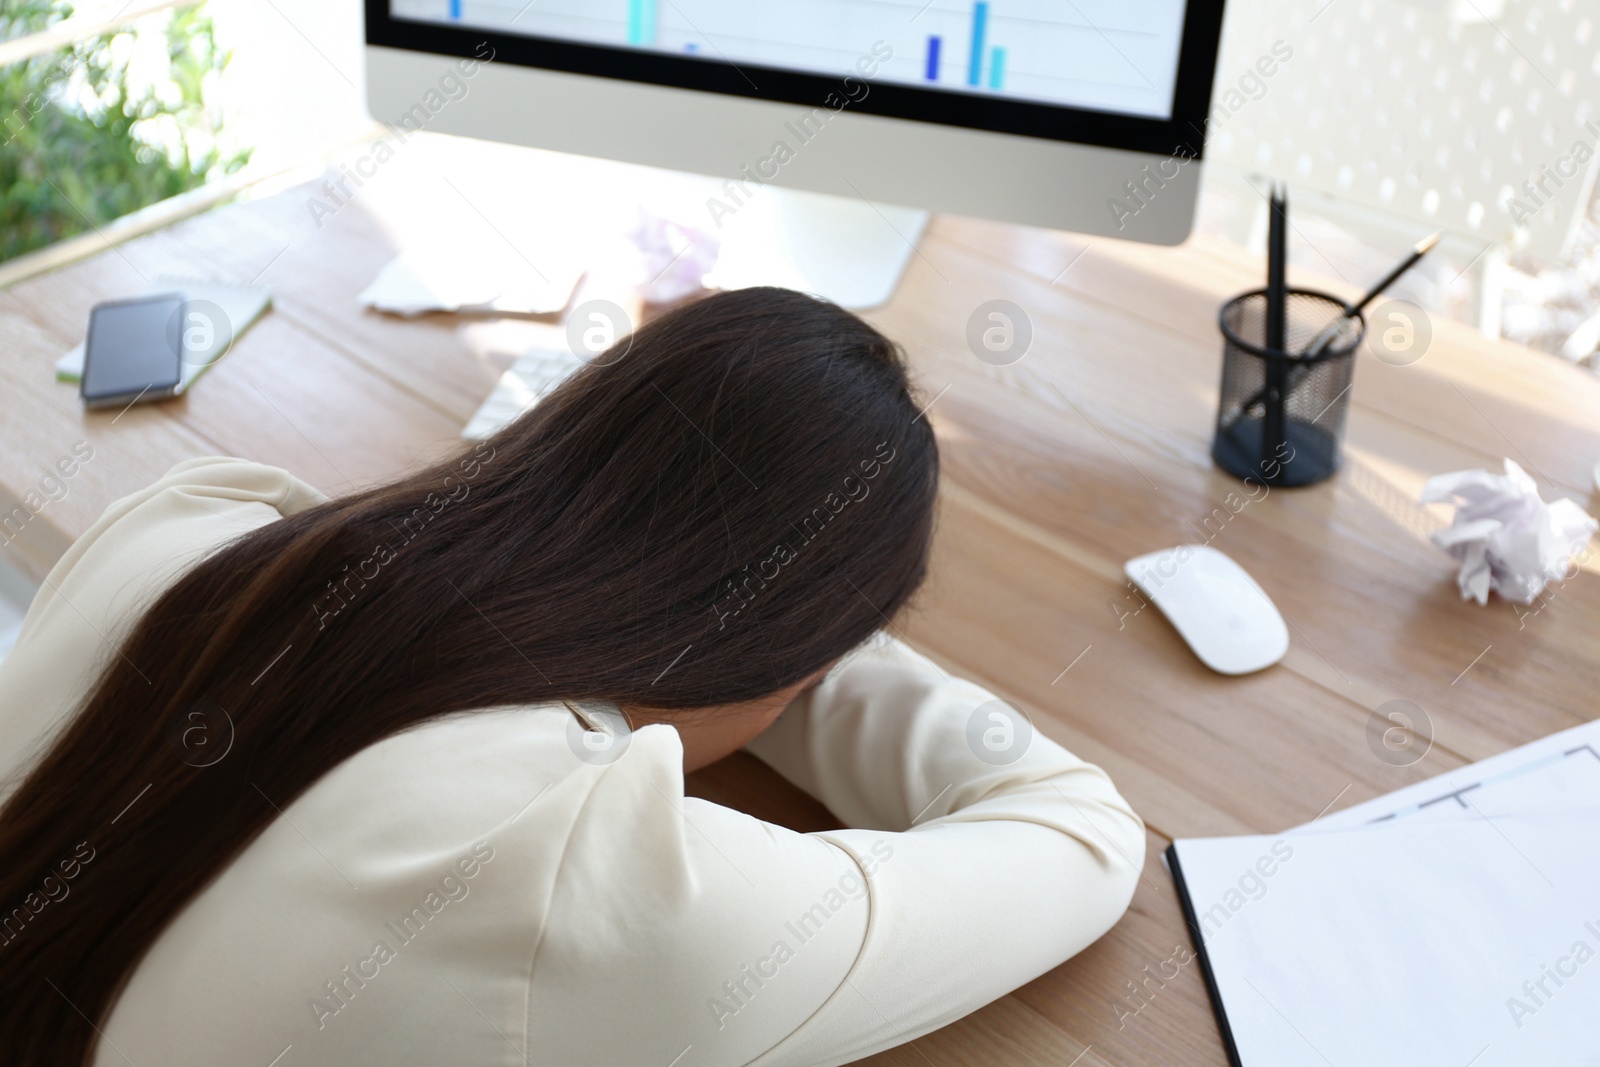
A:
[(96, 592), (992, 874)]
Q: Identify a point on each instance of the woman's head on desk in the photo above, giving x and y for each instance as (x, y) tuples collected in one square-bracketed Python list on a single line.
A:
[(749, 474), (694, 527)]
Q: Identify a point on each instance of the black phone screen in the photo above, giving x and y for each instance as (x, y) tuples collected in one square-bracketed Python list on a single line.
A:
[(133, 345)]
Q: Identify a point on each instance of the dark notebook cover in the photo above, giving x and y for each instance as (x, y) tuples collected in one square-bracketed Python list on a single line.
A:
[(1191, 920)]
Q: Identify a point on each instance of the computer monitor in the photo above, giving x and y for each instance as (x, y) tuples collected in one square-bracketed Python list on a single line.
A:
[(1085, 115)]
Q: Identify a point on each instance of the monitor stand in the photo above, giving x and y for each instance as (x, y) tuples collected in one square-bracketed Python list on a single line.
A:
[(843, 248)]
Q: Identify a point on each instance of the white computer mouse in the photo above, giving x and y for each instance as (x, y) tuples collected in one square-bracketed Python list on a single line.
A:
[(1227, 619)]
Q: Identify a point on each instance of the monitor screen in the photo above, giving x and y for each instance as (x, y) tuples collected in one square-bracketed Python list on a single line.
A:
[(1129, 74), (1106, 55)]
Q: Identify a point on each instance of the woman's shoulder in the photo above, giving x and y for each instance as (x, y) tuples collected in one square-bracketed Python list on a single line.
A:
[(497, 849)]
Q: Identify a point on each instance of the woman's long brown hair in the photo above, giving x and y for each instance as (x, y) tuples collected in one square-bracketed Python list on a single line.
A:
[(724, 503)]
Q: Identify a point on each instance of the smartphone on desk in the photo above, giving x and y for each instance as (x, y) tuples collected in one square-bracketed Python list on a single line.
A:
[(134, 351)]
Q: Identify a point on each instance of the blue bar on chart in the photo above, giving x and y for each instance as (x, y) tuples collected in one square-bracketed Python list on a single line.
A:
[(997, 68), (642, 22), (933, 59), (455, 9), (980, 24)]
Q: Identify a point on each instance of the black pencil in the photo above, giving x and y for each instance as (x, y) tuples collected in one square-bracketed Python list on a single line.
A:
[(1354, 308), (1273, 425)]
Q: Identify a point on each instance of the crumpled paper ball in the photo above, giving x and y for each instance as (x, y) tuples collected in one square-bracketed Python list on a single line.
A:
[(673, 258), (1506, 538)]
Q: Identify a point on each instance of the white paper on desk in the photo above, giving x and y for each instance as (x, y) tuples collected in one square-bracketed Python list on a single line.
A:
[(242, 304), (1506, 536), (419, 281), (1538, 774), (1408, 944)]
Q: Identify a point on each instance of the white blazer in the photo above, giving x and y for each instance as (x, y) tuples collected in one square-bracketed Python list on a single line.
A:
[(472, 892)]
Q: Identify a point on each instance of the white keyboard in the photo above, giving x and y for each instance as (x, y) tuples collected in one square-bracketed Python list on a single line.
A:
[(531, 378)]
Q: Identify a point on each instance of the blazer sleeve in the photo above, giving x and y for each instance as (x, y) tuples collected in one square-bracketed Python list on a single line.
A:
[(95, 593), (1004, 854)]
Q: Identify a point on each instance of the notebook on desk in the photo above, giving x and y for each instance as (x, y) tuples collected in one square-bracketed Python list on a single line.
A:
[(239, 306), (1453, 922)]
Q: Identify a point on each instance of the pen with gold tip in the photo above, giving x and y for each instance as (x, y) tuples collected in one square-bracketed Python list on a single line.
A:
[(1336, 327)]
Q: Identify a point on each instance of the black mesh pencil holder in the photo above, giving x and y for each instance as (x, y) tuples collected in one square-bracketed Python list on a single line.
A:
[(1281, 415)]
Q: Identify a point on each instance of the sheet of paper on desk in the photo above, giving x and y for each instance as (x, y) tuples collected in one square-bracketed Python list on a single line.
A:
[(1406, 926), (419, 281), (1554, 772), (1424, 943)]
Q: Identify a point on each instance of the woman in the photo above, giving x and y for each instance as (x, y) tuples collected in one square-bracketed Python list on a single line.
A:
[(397, 778)]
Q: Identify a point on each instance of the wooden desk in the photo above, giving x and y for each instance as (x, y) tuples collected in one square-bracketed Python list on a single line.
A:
[(1090, 450)]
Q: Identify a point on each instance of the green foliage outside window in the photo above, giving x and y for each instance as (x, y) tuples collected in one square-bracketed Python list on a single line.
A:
[(86, 136)]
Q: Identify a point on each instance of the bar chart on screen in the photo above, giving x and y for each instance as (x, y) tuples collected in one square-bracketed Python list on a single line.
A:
[(1103, 55)]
